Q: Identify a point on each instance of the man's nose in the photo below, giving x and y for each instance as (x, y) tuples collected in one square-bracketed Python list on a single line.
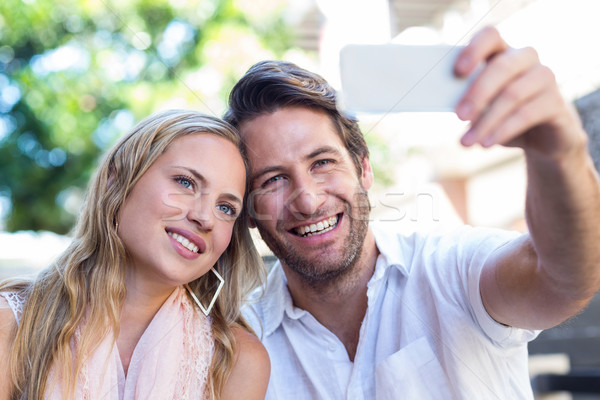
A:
[(307, 197)]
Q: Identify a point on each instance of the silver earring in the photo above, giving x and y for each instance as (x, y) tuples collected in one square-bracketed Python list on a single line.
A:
[(206, 311)]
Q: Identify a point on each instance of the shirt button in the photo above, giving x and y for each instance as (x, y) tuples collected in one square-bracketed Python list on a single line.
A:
[(331, 348)]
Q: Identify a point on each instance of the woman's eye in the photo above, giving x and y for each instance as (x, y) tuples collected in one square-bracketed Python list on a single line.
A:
[(185, 182), (227, 209)]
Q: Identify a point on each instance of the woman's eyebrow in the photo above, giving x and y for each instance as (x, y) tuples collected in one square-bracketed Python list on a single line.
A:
[(197, 175), (194, 173)]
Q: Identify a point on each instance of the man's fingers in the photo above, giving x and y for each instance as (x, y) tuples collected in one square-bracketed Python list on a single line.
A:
[(510, 130), (482, 46), (509, 100), (536, 112), (497, 75)]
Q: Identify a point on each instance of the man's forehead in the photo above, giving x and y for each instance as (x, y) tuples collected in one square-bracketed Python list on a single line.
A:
[(292, 149), (295, 129)]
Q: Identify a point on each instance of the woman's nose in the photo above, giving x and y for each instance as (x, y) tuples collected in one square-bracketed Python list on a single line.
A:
[(201, 213)]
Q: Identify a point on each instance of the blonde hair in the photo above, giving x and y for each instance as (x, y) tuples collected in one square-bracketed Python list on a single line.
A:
[(88, 278)]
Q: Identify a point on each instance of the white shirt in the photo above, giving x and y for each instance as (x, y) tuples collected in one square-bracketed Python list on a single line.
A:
[(426, 334)]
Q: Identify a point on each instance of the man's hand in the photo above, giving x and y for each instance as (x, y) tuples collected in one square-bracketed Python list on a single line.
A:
[(550, 274), (515, 100)]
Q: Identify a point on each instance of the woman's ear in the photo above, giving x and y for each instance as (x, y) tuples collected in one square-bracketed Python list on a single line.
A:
[(110, 181), (110, 175)]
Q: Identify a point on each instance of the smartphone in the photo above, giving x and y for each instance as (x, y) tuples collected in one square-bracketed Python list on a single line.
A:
[(396, 78)]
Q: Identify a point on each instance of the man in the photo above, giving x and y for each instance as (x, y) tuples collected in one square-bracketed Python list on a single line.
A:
[(352, 312)]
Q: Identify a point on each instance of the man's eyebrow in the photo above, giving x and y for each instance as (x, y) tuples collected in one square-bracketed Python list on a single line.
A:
[(315, 153), (265, 171), (323, 150)]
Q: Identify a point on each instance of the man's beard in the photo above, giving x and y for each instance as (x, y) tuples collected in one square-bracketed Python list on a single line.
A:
[(324, 271)]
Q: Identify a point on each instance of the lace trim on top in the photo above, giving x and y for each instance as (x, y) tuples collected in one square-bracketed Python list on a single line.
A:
[(15, 301), (199, 343)]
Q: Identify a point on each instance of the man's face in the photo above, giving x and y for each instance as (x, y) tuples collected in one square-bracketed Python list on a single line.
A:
[(307, 200)]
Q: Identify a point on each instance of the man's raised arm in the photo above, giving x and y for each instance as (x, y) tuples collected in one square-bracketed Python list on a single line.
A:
[(549, 275)]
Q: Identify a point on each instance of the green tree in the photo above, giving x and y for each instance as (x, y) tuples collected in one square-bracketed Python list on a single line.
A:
[(74, 75)]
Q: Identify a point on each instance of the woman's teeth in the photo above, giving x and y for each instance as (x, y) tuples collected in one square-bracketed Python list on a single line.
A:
[(184, 242), (319, 228)]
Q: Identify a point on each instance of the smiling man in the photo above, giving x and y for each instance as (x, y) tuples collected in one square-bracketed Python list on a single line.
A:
[(354, 312)]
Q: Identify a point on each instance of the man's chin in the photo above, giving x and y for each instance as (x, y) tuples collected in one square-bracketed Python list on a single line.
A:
[(319, 279), (319, 270), (317, 264)]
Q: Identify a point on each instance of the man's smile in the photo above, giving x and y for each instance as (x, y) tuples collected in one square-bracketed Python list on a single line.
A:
[(317, 228)]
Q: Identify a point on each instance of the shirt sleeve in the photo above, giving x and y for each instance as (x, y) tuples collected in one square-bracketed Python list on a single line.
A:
[(476, 245), (455, 262)]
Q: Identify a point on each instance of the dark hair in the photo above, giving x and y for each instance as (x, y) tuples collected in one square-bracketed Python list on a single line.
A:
[(271, 85)]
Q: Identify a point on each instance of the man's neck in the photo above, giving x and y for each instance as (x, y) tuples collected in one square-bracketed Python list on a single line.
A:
[(339, 305)]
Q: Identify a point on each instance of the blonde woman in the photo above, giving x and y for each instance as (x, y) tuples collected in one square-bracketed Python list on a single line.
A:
[(135, 308)]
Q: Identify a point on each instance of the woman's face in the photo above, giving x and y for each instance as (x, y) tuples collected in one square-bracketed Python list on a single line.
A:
[(178, 219)]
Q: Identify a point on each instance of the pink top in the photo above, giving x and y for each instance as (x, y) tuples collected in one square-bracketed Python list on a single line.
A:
[(170, 361)]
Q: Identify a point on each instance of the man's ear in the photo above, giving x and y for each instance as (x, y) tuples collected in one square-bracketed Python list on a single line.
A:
[(366, 177), (250, 208)]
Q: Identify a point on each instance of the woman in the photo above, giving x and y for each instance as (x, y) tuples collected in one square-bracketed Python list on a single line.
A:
[(121, 314)]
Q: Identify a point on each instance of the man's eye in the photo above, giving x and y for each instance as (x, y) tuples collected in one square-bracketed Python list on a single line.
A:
[(272, 180), (321, 163), (227, 209)]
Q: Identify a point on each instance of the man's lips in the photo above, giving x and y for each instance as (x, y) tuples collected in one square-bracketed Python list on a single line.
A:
[(317, 227)]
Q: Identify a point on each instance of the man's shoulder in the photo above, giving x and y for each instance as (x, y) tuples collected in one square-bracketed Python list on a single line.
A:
[(403, 249), (392, 238), (398, 246)]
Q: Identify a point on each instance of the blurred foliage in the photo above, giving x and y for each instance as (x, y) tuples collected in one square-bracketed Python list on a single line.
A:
[(75, 75)]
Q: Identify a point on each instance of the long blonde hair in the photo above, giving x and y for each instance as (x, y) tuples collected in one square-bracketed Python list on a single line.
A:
[(88, 278)]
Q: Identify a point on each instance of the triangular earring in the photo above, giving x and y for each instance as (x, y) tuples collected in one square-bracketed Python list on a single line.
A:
[(206, 311)]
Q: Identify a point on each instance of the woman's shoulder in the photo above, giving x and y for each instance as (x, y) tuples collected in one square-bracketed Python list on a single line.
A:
[(249, 348), (7, 315), (8, 321), (251, 369), (8, 330), (8, 327), (13, 301)]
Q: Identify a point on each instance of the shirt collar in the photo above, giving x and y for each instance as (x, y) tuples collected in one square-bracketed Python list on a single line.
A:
[(390, 250), (277, 301)]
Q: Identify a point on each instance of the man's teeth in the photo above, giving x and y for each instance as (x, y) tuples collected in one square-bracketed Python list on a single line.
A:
[(184, 242), (318, 228)]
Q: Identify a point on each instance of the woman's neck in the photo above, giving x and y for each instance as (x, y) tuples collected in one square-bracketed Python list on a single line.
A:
[(141, 304)]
